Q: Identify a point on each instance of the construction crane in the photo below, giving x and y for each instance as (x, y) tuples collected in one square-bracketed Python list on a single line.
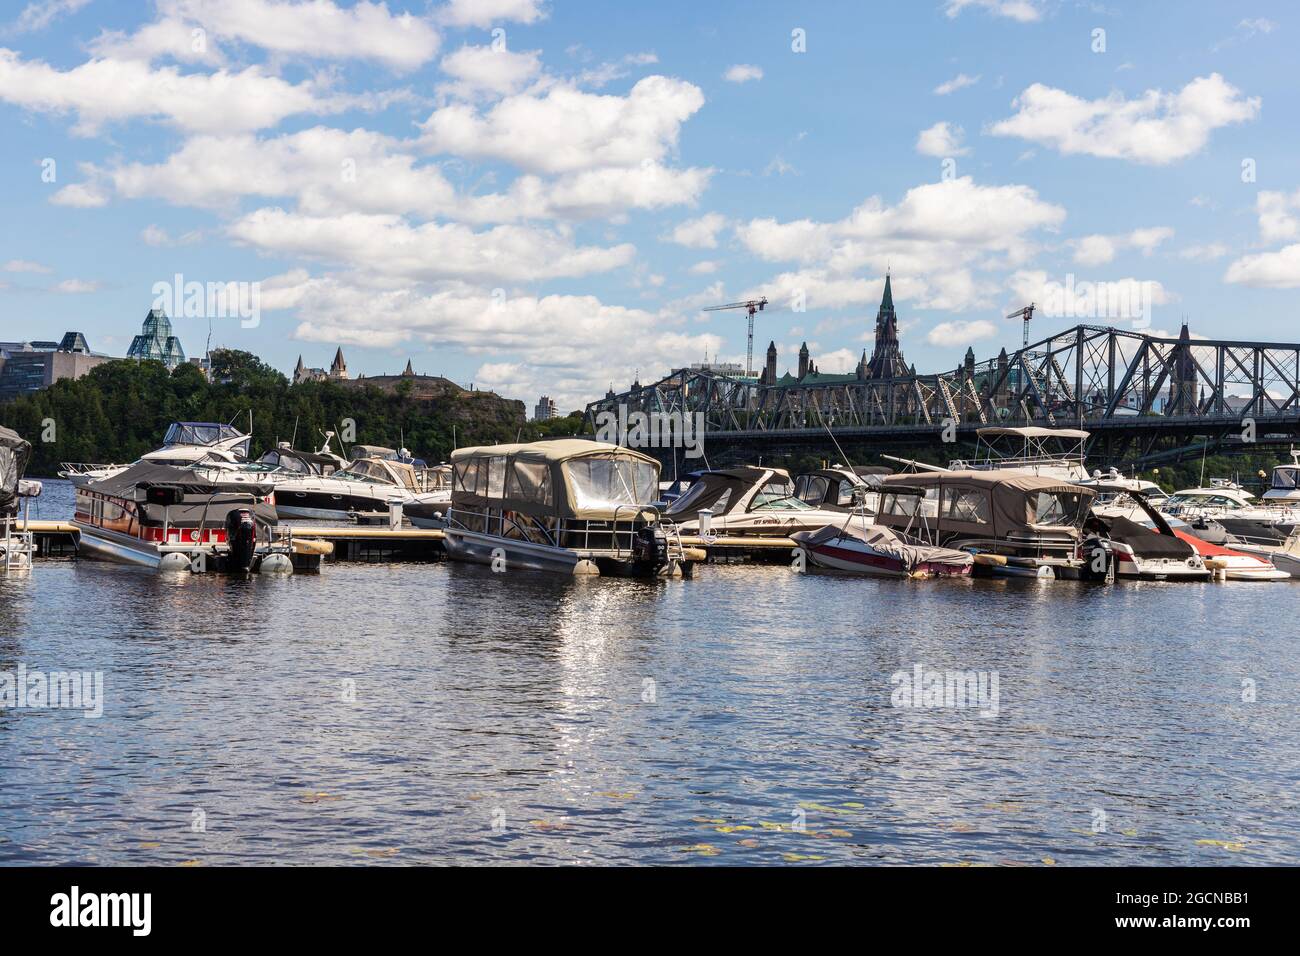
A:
[(1026, 313), (751, 306)]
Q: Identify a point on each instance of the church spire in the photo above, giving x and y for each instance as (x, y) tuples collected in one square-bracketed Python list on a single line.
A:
[(887, 358)]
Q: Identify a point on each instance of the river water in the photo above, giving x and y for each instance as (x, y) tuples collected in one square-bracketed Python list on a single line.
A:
[(401, 714)]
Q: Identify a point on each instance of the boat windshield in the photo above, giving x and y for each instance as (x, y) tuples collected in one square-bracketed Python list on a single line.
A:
[(1286, 477), (1056, 507), (198, 433), (608, 482), (811, 488)]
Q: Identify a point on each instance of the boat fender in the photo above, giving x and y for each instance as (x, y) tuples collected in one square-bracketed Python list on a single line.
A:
[(174, 561), (275, 563), (991, 560)]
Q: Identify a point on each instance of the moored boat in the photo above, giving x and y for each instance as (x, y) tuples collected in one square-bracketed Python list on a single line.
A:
[(164, 517), (16, 547), (747, 501), (571, 505), (877, 551)]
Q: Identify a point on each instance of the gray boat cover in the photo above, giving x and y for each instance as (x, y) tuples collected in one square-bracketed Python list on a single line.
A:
[(15, 452), (885, 542)]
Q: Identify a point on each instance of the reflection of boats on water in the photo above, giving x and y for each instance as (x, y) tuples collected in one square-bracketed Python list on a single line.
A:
[(16, 547), (160, 516), (1032, 525), (572, 506), (746, 501)]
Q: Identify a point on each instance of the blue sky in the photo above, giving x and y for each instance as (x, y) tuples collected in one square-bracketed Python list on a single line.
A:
[(545, 208)]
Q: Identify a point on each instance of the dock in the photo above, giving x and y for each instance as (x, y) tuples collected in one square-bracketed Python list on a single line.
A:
[(380, 544)]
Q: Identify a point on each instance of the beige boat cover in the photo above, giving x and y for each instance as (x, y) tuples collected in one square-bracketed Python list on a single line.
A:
[(1010, 496)]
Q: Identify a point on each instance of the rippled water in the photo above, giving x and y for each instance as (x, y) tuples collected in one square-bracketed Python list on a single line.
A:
[(529, 718)]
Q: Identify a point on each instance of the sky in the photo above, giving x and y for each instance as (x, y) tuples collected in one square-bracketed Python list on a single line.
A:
[(539, 196)]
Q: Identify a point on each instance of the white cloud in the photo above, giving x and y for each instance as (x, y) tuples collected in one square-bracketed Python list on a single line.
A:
[(77, 286), (1098, 250), (743, 73), (80, 196), (330, 171), (101, 91), (935, 229), (154, 235), (1156, 128), (486, 71), (39, 14), (1279, 215), (386, 245), (567, 346), (1267, 270), (24, 265), (318, 29), (1204, 253), (1025, 11), (705, 267), (1081, 300), (485, 13), (566, 129), (951, 334), (958, 82), (942, 140), (700, 233)]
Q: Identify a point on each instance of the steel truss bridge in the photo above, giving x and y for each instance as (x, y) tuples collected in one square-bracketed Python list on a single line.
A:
[(1144, 398)]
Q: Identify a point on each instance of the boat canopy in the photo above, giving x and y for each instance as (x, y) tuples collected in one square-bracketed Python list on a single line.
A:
[(201, 498), (15, 452), (986, 503), (301, 462), (567, 478), (723, 490), (1032, 431), (384, 471)]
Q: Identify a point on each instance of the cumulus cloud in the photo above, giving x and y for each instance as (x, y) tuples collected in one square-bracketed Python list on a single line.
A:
[(958, 82), (387, 245), (565, 129), (1267, 270), (952, 334), (1279, 215), (485, 13), (1155, 128), (80, 196), (39, 14), (1080, 299), (1024, 11), (699, 233), (942, 139), (101, 91), (315, 29), (743, 73), (486, 71), (1098, 250), (25, 265)]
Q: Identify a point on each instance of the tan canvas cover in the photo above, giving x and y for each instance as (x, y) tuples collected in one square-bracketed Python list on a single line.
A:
[(1010, 498), (535, 481), (1033, 431)]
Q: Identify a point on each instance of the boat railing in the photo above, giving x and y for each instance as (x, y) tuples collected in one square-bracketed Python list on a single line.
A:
[(67, 468)]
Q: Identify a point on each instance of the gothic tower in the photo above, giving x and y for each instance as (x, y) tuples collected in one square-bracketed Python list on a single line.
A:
[(886, 358)]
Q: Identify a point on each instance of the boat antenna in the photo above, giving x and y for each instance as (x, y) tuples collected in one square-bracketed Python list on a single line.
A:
[(847, 464), (1204, 449), (294, 440)]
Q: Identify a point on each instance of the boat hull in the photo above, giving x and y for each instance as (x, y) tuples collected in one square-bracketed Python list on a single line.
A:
[(487, 549), (865, 560)]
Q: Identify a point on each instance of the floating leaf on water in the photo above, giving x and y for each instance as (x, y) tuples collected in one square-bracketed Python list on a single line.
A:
[(191, 863), (320, 797), (749, 842), (799, 857), (1048, 861), (619, 794), (1004, 807), (548, 824), (733, 829), (773, 826), (1129, 832), (707, 820), (150, 846), (703, 849), (854, 806), (822, 808), (383, 854), (839, 833), (1231, 846), (476, 796)]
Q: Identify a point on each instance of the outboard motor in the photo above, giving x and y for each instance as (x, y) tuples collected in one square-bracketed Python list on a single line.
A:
[(649, 547), (241, 538)]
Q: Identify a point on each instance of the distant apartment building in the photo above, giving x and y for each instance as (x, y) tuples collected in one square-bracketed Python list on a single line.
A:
[(27, 367), (545, 409)]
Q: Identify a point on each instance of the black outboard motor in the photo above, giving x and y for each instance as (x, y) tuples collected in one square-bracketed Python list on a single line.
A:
[(241, 538), (649, 547)]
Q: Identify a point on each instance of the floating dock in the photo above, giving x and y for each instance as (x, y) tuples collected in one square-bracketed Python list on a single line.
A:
[(380, 544)]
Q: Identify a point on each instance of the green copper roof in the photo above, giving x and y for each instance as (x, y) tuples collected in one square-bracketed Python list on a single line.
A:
[(887, 300)]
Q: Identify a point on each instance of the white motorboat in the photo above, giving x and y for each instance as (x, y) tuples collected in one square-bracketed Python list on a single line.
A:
[(1284, 557), (1121, 545), (1284, 488), (841, 488), (184, 445), (746, 501), (1240, 514)]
